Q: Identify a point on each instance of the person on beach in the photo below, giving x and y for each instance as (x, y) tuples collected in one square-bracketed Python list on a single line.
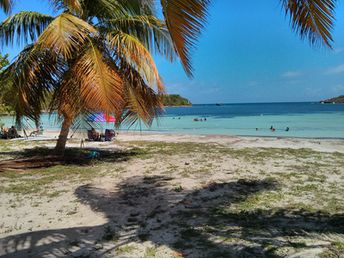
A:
[(12, 133), (41, 128), (94, 134), (4, 132)]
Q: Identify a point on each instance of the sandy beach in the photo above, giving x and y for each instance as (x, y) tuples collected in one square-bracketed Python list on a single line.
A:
[(324, 145), (156, 195)]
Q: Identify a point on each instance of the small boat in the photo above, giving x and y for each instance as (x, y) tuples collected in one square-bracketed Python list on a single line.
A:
[(217, 104)]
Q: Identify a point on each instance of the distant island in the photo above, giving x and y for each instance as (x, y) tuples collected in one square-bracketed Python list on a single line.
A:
[(339, 99), (175, 100)]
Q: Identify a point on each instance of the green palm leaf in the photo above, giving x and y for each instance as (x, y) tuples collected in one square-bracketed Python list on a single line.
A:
[(23, 27), (103, 9), (34, 75)]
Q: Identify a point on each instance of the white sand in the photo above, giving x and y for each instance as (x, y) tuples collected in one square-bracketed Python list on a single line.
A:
[(83, 211), (322, 145)]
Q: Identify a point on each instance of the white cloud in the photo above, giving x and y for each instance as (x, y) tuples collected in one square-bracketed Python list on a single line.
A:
[(336, 70), (291, 74)]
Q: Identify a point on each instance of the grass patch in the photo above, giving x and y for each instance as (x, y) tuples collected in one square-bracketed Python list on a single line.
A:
[(150, 252), (125, 249)]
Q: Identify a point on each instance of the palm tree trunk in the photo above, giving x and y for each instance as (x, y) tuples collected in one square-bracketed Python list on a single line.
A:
[(61, 142)]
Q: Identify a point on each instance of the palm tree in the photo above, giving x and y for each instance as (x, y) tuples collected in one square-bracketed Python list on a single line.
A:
[(96, 54)]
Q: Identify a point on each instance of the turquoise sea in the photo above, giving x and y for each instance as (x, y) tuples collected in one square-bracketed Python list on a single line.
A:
[(313, 120)]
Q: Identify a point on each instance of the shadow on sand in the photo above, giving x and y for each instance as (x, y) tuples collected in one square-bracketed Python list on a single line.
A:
[(196, 223), (37, 158)]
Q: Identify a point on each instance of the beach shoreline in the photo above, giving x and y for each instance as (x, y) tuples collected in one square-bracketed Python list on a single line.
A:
[(233, 141)]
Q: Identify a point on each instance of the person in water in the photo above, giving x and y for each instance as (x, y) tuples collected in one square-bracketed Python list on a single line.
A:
[(287, 129)]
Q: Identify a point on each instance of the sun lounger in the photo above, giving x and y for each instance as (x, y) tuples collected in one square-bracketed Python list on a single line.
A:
[(109, 135), (93, 135)]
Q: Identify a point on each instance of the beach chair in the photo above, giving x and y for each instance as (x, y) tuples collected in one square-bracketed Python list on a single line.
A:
[(109, 135), (89, 135), (93, 135)]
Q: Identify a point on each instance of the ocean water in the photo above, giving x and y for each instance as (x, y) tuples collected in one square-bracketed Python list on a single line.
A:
[(313, 120)]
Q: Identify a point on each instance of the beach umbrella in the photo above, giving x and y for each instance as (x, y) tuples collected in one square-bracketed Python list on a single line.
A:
[(100, 117)]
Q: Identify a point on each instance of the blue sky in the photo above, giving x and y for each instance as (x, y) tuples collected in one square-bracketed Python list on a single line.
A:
[(248, 53)]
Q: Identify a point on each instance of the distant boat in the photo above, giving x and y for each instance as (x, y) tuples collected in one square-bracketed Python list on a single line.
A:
[(217, 104)]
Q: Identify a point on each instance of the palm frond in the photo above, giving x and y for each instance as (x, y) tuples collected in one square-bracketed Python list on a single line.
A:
[(130, 48), (73, 6), (6, 6), (185, 19), (139, 7), (23, 27), (143, 104), (141, 101), (101, 87), (312, 19), (33, 75), (65, 35), (151, 31), (66, 95), (103, 9)]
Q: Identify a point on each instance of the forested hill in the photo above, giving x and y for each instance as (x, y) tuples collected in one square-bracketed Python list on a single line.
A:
[(175, 100), (339, 99)]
